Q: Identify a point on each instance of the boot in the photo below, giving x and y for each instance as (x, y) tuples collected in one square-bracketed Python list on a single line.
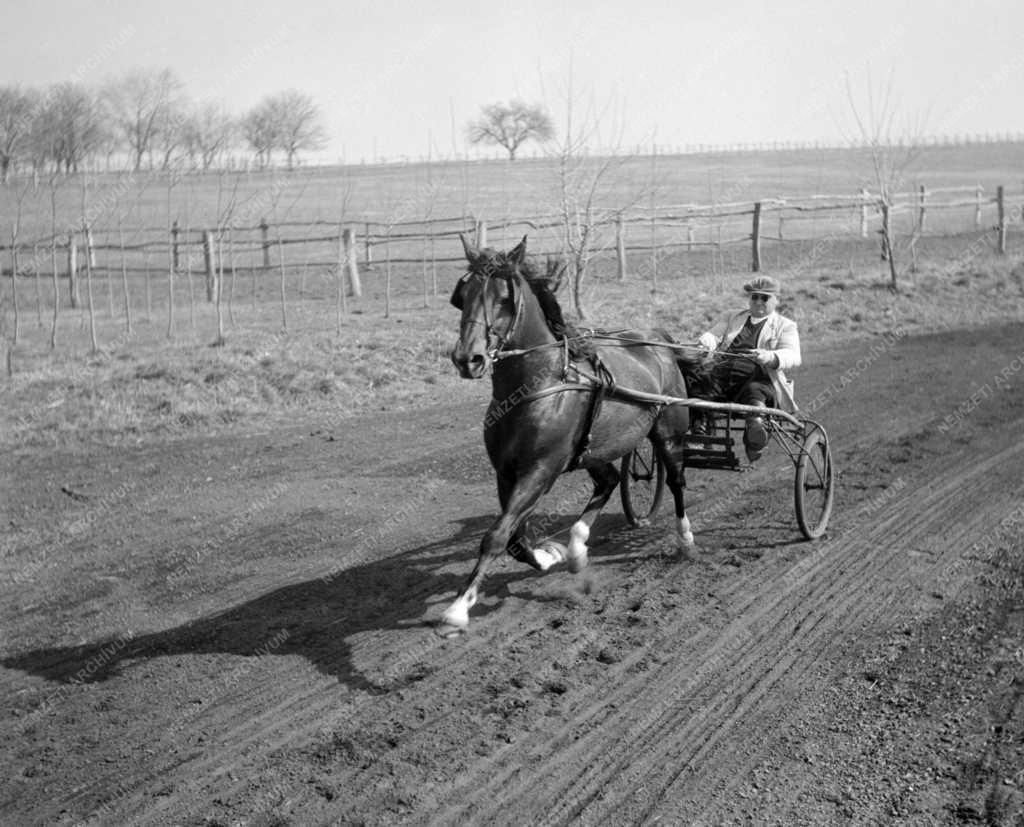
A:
[(699, 423), (755, 435)]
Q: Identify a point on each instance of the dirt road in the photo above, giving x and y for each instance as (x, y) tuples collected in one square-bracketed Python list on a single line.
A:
[(236, 630)]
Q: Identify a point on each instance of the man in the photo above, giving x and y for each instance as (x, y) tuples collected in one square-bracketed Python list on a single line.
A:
[(762, 345)]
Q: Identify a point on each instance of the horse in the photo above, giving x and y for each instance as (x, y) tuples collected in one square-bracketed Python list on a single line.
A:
[(555, 407)]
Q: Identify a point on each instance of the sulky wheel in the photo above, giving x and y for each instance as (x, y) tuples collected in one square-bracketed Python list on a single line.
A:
[(813, 483), (643, 483)]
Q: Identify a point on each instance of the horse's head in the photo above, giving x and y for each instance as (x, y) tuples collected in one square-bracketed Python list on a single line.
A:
[(490, 296)]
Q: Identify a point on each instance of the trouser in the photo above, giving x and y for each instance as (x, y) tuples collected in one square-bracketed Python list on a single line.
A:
[(735, 380)]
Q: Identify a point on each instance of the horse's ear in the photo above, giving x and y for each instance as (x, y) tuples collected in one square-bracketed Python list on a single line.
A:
[(472, 253), (456, 298), (518, 253)]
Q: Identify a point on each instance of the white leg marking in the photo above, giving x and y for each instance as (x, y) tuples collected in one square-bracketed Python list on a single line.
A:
[(548, 554), (457, 614), (685, 534), (577, 552)]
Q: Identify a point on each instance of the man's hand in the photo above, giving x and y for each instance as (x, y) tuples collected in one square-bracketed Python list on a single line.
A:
[(708, 340), (766, 358)]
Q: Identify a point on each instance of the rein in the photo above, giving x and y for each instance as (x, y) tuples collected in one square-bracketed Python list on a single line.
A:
[(606, 338)]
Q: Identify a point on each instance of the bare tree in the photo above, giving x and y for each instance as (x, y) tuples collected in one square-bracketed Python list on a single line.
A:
[(300, 127), (68, 128), (141, 103), (170, 139), (890, 154), (582, 182), (260, 131), (208, 132), (17, 109), (289, 121), (511, 125)]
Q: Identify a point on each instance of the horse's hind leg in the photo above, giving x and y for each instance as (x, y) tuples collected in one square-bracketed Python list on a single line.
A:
[(606, 480), (670, 449)]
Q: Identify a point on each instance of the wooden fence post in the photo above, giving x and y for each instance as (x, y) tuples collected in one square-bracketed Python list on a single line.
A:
[(73, 269), (209, 259), (654, 249), (90, 247), (977, 207), (620, 245), (265, 232), (284, 297), (920, 209), (689, 235), (175, 230), (14, 283), (1001, 217), (481, 234), (885, 231), (342, 303), (351, 265), (367, 246), (864, 213), (755, 237), (124, 279)]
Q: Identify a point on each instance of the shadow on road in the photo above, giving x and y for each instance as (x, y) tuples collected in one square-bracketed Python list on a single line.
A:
[(318, 619)]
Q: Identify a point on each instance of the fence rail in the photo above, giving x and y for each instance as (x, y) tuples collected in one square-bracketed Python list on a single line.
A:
[(341, 250)]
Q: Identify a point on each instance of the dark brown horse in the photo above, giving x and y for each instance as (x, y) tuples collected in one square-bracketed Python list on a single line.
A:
[(554, 410)]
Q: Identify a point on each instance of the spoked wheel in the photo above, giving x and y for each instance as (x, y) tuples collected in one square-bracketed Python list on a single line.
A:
[(813, 483), (643, 483)]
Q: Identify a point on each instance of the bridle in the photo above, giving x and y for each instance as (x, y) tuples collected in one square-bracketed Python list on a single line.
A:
[(496, 340)]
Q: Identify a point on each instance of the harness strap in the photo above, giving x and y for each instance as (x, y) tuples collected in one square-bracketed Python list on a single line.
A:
[(565, 386), (606, 339), (584, 444), (604, 383)]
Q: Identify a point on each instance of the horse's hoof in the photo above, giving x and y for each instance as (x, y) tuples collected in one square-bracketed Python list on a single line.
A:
[(456, 617), (685, 533), (547, 554), (578, 563), (447, 630)]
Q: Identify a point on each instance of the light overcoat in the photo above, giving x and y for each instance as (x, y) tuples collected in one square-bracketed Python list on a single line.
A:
[(779, 335)]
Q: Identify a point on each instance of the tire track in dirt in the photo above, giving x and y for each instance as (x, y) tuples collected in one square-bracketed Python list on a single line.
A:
[(870, 576), (627, 741), (755, 655), (802, 620)]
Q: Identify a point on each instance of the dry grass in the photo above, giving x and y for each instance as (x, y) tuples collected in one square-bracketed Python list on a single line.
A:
[(146, 386), (150, 388)]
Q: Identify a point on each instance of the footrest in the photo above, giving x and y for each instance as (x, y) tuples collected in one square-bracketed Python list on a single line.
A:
[(710, 459)]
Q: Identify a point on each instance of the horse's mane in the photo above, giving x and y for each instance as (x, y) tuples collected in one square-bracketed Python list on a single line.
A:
[(544, 288)]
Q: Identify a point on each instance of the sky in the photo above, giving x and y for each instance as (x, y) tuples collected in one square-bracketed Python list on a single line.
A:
[(401, 80)]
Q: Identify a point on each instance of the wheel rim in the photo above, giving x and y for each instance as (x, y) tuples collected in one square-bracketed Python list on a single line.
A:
[(642, 482), (813, 486)]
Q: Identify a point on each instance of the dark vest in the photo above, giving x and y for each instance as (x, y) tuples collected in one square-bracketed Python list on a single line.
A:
[(746, 339)]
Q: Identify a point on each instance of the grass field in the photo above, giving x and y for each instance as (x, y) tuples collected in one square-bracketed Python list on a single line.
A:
[(301, 356)]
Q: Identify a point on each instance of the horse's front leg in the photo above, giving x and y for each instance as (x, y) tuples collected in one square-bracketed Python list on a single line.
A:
[(518, 499)]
